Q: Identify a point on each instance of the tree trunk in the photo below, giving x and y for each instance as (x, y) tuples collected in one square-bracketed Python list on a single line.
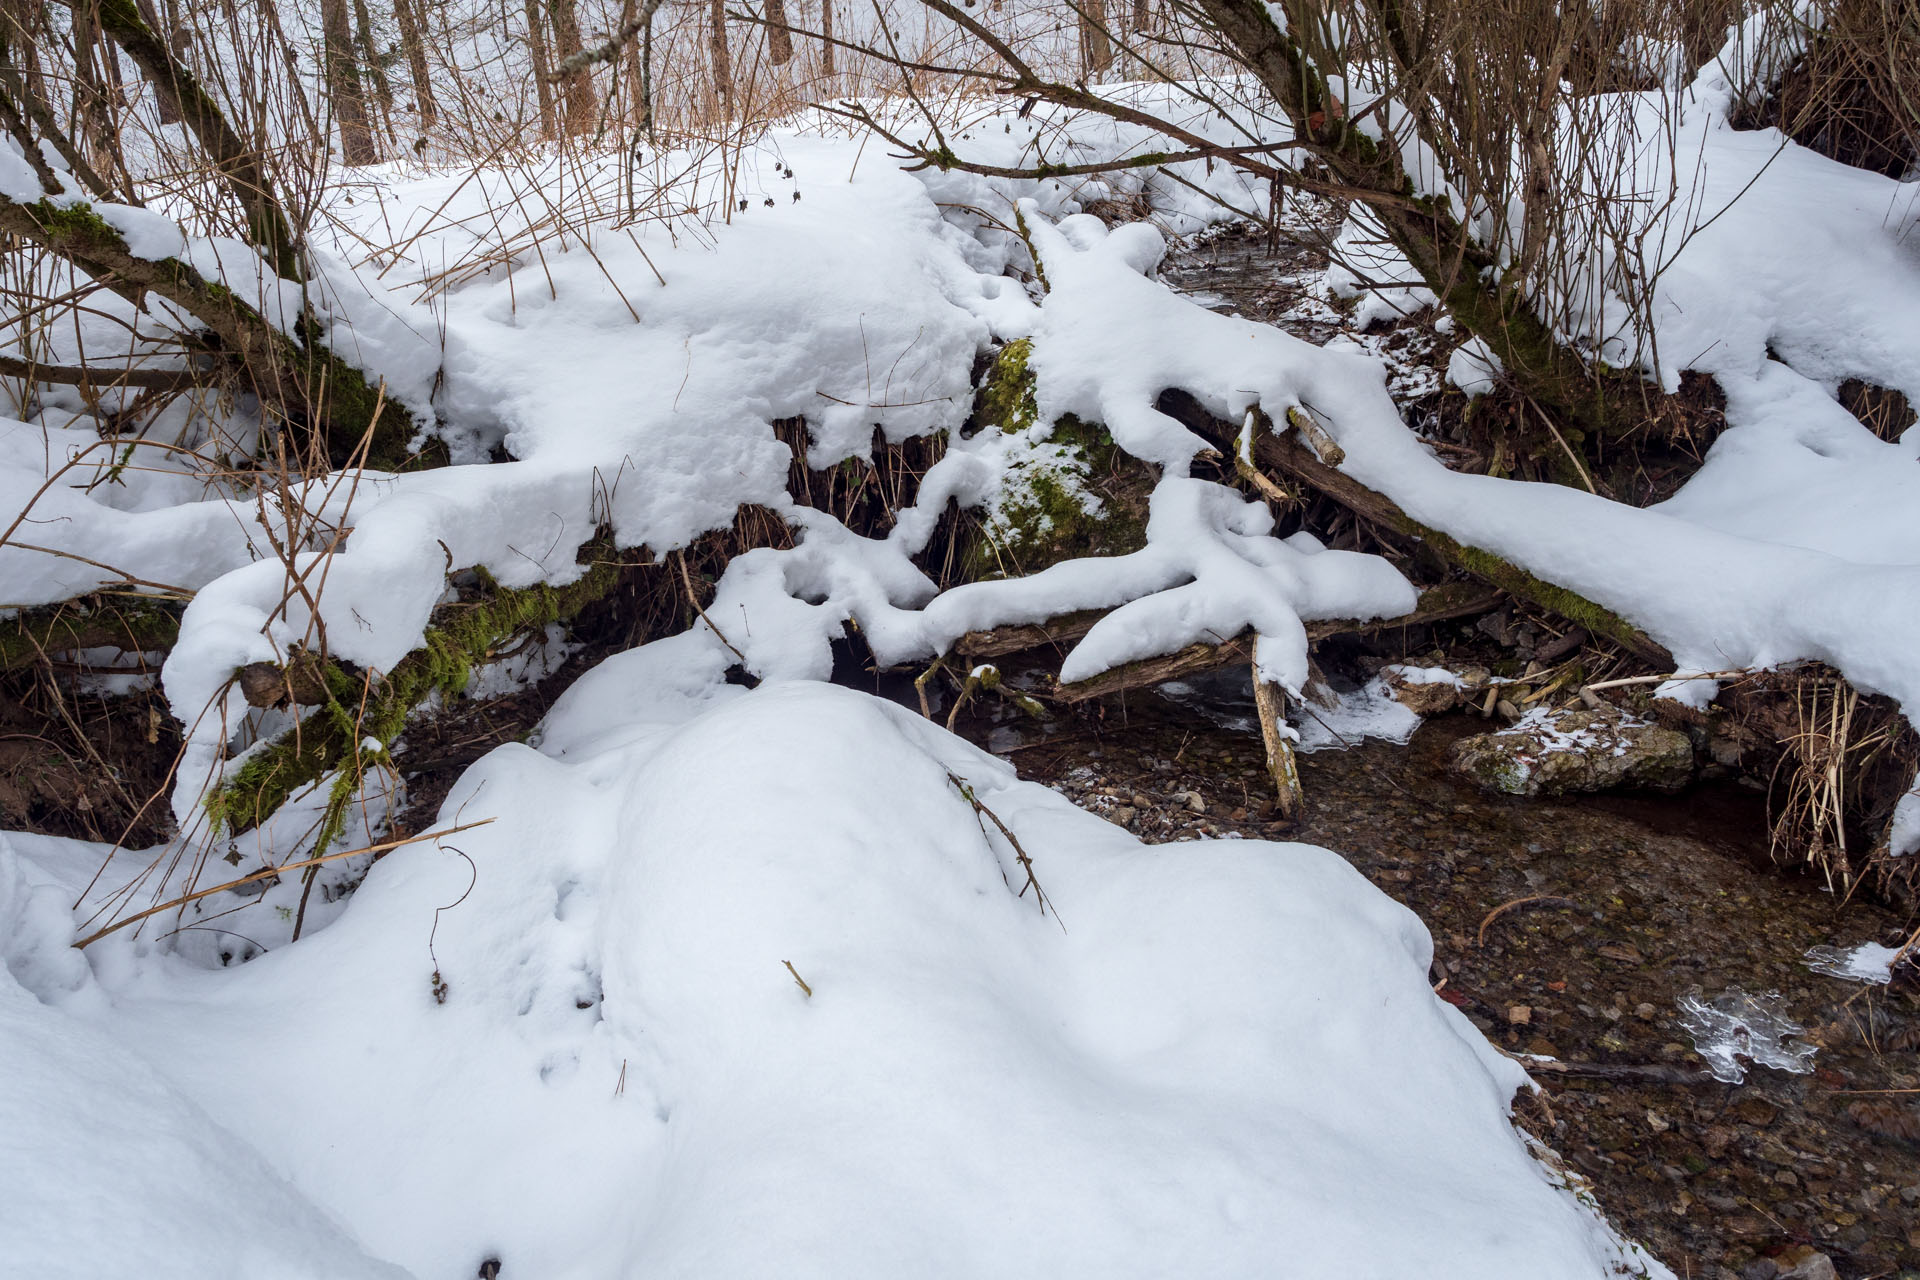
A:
[(826, 38), (583, 105), (93, 120), (722, 59), (237, 163), (370, 57), (1096, 50), (779, 39), (542, 68), (343, 85), (416, 53), (1463, 274), (176, 38)]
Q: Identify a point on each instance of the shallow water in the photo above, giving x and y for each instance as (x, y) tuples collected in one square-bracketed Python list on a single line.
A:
[(1645, 902)]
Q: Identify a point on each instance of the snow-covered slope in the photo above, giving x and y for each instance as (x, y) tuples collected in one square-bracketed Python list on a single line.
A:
[(1217, 1059)]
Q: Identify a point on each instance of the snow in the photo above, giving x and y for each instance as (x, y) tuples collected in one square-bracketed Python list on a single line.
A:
[(1371, 711), (148, 234), (1226, 1059), (1716, 597), (706, 956)]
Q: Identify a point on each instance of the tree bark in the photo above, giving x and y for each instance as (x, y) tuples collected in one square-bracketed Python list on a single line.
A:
[(237, 163), (303, 380), (370, 58), (1287, 455), (722, 59), (1096, 50), (343, 85), (537, 49), (826, 38), (583, 104), (1463, 274), (1270, 706), (416, 53), (176, 40), (779, 39)]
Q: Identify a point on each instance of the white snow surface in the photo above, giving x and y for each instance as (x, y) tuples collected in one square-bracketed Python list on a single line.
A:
[(1221, 1059)]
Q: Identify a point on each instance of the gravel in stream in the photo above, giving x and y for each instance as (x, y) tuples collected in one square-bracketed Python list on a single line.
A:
[(1642, 902)]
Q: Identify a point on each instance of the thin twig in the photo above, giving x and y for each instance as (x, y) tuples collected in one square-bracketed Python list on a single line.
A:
[(270, 872)]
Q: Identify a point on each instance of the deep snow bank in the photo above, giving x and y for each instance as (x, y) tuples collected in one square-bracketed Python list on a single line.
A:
[(1216, 1059)]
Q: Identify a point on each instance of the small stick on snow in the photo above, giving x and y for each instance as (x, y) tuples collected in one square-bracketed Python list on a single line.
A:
[(980, 810), (805, 990), (694, 600), (385, 846)]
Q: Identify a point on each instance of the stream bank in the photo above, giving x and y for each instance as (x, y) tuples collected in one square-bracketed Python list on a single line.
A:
[(1640, 902)]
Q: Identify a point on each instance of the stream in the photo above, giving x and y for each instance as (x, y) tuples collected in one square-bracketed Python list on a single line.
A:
[(1641, 902), (1622, 913)]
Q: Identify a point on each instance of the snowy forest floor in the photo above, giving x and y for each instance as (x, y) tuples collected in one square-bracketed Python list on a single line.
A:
[(704, 956)]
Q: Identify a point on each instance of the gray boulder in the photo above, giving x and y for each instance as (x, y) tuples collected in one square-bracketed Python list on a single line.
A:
[(1550, 753)]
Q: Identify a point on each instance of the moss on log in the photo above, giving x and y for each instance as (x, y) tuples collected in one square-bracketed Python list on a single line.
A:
[(1295, 459), (132, 624), (303, 378), (363, 714)]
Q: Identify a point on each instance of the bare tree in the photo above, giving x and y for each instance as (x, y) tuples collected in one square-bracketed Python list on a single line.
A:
[(779, 39), (722, 58), (376, 69), (343, 85), (583, 104), (542, 72), (1096, 50), (415, 50)]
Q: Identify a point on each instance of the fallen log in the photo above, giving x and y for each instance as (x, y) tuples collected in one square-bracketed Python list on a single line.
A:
[(1437, 604), (358, 716), (1055, 632), (131, 624), (1288, 455)]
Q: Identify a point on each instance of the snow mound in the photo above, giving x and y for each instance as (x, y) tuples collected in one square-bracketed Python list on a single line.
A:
[(1219, 1060)]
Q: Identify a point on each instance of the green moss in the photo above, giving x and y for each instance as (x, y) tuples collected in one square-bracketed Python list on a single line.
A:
[(134, 624), (334, 737), (1047, 511), (1555, 599), (1006, 398)]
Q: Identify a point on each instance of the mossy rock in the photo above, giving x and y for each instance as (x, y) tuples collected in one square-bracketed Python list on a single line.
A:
[(1070, 491)]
